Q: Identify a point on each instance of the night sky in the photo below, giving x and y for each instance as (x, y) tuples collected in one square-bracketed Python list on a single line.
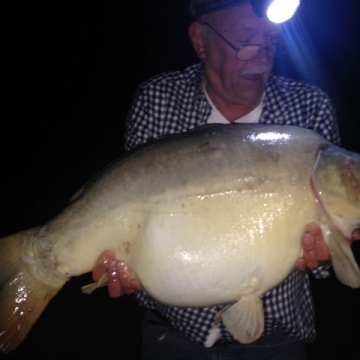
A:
[(71, 70)]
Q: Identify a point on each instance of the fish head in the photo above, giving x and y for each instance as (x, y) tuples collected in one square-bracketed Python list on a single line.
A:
[(335, 180)]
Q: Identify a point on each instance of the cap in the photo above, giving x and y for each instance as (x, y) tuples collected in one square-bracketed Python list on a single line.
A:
[(202, 7)]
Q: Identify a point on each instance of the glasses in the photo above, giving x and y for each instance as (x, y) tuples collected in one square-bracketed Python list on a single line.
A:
[(246, 52)]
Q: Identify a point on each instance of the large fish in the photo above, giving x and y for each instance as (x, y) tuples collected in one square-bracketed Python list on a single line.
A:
[(211, 216)]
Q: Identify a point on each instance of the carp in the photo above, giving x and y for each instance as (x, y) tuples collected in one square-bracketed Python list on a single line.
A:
[(207, 217)]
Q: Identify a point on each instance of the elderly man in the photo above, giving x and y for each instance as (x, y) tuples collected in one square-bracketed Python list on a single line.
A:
[(232, 83)]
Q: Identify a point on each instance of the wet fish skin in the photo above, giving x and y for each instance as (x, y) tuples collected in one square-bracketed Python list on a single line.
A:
[(202, 218)]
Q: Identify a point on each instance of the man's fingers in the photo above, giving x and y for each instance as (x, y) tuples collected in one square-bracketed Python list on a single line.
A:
[(124, 277), (315, 249), (102, 265), (309, 251), (321, 250), (135, 285), (119, 279), (114, 283), (301, 265)]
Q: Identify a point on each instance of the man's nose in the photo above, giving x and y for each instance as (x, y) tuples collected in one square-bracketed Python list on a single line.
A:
[(263, 55)]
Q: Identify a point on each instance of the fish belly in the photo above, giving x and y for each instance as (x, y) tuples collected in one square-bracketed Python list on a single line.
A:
[(208, 250)]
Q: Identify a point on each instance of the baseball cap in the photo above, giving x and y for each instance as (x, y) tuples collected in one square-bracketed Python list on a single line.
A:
[(201, 7)]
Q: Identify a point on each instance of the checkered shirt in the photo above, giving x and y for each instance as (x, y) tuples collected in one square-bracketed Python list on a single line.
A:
[(174, 102)]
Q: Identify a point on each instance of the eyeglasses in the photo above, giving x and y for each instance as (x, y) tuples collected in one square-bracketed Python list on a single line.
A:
[(245, 52)]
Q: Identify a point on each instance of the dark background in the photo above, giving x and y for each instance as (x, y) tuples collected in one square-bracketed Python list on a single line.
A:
[(69, 73)]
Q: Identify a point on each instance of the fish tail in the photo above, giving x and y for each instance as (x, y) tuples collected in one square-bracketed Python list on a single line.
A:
[(22, 297)]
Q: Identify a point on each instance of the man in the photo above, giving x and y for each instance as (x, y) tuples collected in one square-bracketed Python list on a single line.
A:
[(233, 83)]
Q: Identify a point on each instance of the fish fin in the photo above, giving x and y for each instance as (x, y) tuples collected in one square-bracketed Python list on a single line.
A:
[(342, 258), (89, 288), (245, 318), (22, 297)]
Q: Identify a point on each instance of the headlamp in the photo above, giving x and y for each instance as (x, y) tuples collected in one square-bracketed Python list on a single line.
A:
[(279, 11)]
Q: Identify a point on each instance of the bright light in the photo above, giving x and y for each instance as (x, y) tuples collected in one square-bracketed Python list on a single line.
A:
[(282, 10)]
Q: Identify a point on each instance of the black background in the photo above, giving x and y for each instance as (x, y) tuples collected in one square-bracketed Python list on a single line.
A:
[(69, 73)]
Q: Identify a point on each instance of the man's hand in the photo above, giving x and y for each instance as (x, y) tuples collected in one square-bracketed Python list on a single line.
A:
[(315, 251), (119, 277)]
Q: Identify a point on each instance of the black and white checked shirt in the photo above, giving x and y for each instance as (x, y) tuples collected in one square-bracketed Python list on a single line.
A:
[(174, 102)]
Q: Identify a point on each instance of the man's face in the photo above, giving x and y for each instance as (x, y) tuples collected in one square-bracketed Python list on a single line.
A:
[(239, 82)]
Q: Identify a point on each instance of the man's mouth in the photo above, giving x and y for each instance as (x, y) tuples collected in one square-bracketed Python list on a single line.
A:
[(253, 76)]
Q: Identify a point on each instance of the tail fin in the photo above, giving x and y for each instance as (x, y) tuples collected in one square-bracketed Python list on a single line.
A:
[(22, 297)]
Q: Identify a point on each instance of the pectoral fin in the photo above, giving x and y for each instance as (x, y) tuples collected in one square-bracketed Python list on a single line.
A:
[(88, 289), (342, 258), (245, 318)]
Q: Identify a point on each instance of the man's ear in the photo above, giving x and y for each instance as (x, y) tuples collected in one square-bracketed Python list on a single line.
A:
[(197, 39)]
